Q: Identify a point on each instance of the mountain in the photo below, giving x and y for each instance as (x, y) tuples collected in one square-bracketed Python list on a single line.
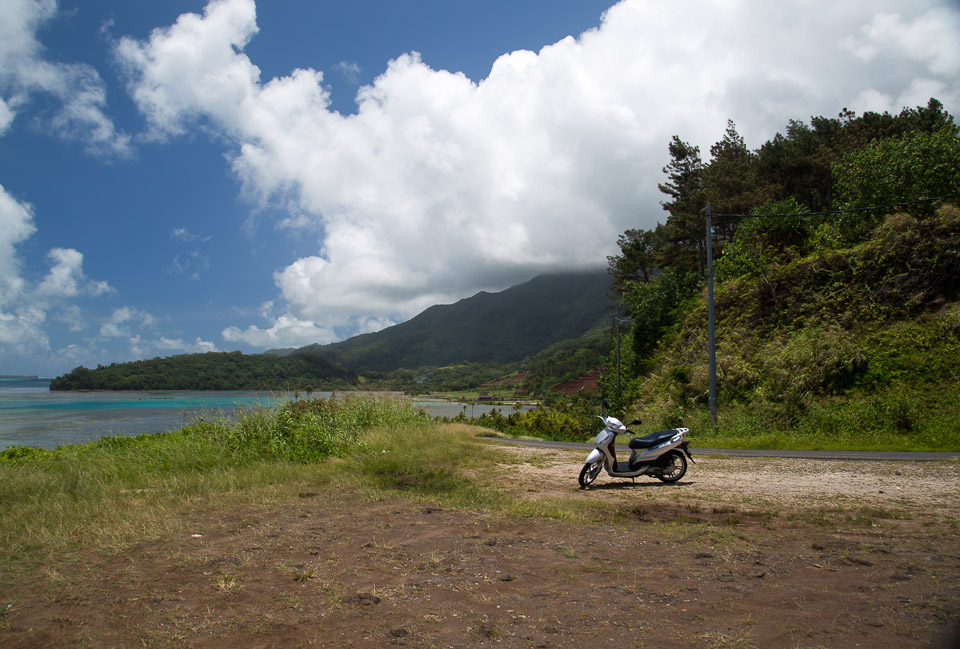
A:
[(499, 327)]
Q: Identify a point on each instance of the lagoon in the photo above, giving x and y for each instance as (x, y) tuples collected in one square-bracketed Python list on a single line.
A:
[(31, 415)]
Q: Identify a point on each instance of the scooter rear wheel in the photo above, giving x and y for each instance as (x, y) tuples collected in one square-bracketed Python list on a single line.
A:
[(589, 473), (676, 467)]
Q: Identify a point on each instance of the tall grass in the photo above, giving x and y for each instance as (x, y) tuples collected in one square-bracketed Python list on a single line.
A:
[(309, 430), (108, 493)]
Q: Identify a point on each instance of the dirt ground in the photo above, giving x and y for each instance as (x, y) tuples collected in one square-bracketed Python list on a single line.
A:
[(742, 553)]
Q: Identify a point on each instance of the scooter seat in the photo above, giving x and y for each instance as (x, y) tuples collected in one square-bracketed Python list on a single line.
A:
[(651, 440)]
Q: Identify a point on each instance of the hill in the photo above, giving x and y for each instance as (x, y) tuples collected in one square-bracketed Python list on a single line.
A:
[(503, 327), (211, 371), (488, 329), (845, 343)]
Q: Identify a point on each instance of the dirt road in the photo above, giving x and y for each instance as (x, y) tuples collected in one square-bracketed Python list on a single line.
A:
[(743, 553)]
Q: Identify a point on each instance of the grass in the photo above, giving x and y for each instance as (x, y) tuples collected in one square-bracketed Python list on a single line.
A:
[(107, 494)]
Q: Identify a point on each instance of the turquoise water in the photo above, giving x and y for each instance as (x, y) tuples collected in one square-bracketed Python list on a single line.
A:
[(31, 415)]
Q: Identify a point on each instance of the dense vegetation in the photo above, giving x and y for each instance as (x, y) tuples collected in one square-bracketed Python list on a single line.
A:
[(212, 371), (830, 327)]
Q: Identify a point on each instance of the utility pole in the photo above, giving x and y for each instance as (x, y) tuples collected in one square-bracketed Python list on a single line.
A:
[(617, 321), (711, 326)]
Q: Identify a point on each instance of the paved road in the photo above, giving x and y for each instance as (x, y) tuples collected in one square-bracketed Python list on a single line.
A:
[(885, 456)]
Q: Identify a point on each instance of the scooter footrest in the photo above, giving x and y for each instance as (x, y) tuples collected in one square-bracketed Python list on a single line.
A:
[(623, 467)]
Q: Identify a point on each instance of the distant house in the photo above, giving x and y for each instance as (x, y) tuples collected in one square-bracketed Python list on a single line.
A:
[(485, 397)]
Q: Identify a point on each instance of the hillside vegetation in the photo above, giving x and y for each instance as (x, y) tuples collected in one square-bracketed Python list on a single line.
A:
[(833, 329), (212, 371), (858, 345)]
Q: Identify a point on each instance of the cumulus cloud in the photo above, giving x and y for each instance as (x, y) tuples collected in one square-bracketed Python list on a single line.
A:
[(179, 346), (78, 89), (284, 331), (118, 324), (21, 331), (441, 185), (16, 226), (24, 304), (66, 278), (929, 39)]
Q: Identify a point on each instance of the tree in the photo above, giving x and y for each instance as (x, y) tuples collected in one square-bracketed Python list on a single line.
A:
[(891, 170), (654, 308), (765, 241), (682, 238), (636, 261), (730, 180)]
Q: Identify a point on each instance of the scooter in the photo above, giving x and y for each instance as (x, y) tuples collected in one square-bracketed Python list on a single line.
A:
[(657, 455)]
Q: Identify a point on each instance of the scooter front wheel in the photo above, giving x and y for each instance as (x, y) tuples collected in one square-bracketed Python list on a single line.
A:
[(589, 473)]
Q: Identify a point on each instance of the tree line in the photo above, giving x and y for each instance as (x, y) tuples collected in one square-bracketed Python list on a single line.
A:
[(212, 371)]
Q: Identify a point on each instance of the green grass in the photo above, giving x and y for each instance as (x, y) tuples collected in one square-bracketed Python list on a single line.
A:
[(118, 490)]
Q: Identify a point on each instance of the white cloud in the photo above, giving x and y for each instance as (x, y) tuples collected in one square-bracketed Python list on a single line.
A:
[(16, 226), (194, 68), (178, 345), (182, 234), (349, 71), (63, 280), (79, 91), (66, 279), (118, 324), (141, 348), (6, 117), (21, 332), (441, 185), (284, 331), (24, 304), (930, 39)]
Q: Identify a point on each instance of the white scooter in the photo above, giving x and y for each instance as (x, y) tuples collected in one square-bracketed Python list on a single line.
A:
[(657, 455)]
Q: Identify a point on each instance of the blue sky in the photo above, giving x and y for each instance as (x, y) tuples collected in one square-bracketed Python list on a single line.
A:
[(190, 176)]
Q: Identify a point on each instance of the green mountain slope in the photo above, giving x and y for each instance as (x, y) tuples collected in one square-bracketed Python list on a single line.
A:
[(488, 328), (499, 327)]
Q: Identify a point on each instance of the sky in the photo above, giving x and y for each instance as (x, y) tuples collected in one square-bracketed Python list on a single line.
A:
[(189, 176)]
